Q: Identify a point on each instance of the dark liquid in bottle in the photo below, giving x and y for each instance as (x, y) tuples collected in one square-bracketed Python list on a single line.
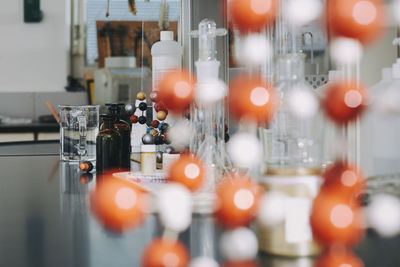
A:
[(125, 131), (108, 148)]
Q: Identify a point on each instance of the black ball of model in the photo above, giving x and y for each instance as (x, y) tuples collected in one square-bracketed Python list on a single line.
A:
[(142, 120), (143, 106), (227, 137), (164, 127), (158, 140)]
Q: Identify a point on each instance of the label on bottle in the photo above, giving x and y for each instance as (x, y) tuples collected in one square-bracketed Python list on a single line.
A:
[(161, 65), (297, 220), (293, 236), (148, 163)]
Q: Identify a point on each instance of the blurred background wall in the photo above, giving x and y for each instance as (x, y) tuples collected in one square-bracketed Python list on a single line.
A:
[(33, 56)]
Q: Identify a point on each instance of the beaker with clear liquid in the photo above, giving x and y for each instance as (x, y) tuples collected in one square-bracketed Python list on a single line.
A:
[(78, 130)]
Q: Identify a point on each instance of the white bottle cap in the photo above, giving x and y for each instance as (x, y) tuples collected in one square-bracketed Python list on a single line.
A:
[(148, 148), (166, 35)]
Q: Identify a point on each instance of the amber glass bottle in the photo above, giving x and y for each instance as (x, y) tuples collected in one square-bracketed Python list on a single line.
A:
[(108, 146), (125, 130)]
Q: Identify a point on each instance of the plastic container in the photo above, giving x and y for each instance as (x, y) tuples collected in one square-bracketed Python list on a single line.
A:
[(120, 80), (380, 128), (166, 55)]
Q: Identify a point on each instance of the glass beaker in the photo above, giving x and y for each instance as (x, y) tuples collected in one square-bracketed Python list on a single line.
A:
[(296, 137), (78, 130)]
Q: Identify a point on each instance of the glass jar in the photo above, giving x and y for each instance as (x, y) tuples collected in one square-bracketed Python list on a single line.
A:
[(292, 237), (292, 156)]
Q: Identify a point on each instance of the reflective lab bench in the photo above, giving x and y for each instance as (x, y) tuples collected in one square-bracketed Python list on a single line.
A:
[(46, 221)]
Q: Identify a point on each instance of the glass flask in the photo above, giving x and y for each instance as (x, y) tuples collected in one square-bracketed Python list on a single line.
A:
[(108, 146), (208, 117)]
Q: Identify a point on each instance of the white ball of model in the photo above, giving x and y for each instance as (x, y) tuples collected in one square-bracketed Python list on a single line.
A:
[(203, 262), (271, 211), (239, 245), (346, 51), (302, 12), (245, 150), (383, 215), (174, 206), (255, 50), (302, 103)]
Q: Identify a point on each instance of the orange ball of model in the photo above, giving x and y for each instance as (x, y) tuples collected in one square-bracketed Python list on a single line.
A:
[(335, 220), (118, 204), (344, 101), (358, 19), (344, 178), (188, 170), (237, 201), (176, 89), (161, 115), (253, 15), (164, 253), (251, 98), (338, 258)]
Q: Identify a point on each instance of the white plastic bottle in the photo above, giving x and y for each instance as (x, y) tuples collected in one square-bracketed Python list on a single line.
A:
[(372, 126), (166, 55), (384, 124)]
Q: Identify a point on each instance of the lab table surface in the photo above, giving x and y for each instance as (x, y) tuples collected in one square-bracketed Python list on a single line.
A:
[(46, 221)]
